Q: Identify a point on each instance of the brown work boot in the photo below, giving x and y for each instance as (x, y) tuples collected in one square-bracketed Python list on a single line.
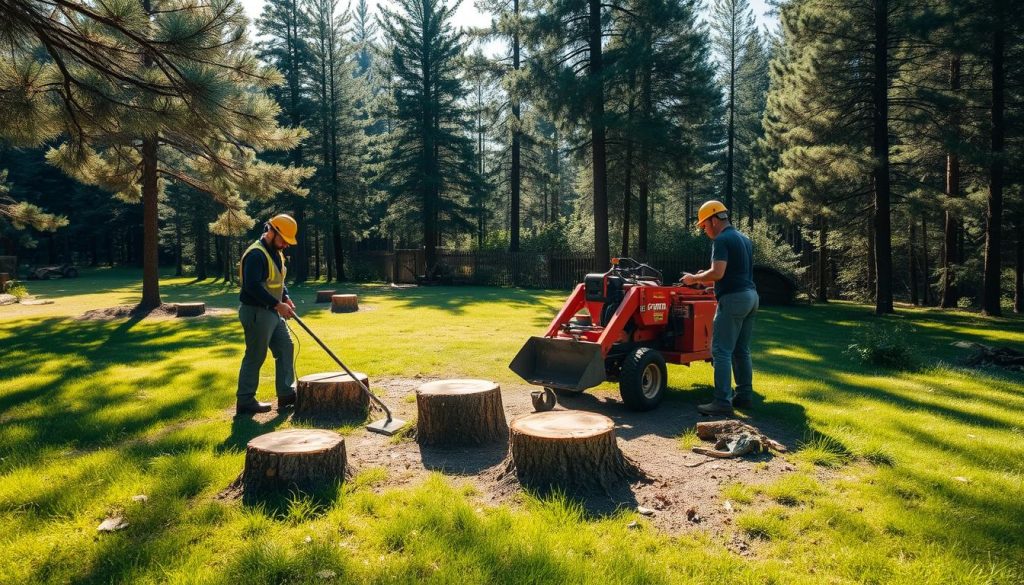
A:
[(252, 407), (286, 401), (715, 407)]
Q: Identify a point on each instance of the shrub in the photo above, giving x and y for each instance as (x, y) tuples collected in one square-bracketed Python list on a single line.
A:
[(14, 287), (772, 251), (882, 345)]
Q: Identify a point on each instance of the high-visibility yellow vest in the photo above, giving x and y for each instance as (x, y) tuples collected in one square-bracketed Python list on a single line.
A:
[(275, 278)]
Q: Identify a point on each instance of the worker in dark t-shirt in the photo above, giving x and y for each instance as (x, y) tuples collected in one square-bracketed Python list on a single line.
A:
[(732, 272), (265, 306)]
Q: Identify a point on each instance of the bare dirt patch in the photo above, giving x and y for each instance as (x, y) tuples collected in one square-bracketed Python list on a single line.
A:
[(164, 311), (675, 495)]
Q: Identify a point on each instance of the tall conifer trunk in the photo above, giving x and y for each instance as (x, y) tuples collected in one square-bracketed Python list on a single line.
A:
[(516, 139), (822, 296), (645, 166), (880, 151), (994, 215), (597, 133), (150, 226), (1018, 281), (952, 223), (627, 197), (912, 262)]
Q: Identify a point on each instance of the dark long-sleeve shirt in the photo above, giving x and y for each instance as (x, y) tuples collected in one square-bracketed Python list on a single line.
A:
[(254, 274)]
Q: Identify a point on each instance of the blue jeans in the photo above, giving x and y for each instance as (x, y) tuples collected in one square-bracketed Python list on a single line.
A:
[(264, 329), (730, 345)]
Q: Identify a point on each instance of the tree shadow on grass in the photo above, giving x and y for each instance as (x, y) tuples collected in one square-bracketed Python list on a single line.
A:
[(245, 428), (66, 351), (783, 421)]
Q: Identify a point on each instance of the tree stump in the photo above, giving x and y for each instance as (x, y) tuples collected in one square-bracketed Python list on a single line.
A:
[(460, 412), (324, 296), (332, 394), (189, 309), (570, 450), (344, 303), (306, 459)]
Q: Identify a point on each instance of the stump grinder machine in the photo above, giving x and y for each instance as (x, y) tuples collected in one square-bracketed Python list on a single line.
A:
[(622, 325)]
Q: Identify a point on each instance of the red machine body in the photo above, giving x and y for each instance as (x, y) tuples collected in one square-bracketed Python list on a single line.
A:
[(621, 325), (651, 308)]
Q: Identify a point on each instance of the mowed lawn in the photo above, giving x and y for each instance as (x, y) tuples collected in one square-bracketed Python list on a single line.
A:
[(903, 476)]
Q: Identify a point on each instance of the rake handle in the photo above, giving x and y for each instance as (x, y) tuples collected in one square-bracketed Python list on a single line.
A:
[(376, 400)]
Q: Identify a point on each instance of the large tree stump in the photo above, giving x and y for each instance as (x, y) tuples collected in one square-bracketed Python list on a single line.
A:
[(571, 450), (344, 303), (460, 412), (306, 459), (324, 296), (332, 394), (189, 309)]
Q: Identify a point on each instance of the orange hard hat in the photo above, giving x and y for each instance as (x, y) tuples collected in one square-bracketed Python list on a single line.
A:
[(709, 208), (286, 226)]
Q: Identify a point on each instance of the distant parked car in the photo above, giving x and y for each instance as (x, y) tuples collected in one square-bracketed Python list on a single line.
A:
[(50, 272)]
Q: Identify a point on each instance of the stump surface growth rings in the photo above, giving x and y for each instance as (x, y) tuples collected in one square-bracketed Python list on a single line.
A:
[(570, 450), (293, 458), (332, 394)]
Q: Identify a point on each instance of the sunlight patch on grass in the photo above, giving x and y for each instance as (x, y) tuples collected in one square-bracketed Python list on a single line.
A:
[(768, 524), (794, 353), (792, 489), (688, 439), (738, 492)]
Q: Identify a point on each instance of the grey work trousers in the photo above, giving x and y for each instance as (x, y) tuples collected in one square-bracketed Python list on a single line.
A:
[(264, 329)]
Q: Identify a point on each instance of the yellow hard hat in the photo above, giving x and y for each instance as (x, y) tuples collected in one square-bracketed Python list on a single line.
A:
[(710, 208), (286, 226)]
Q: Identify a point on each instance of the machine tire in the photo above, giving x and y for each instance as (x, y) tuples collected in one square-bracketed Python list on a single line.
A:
[(70, 273), (643, 379)]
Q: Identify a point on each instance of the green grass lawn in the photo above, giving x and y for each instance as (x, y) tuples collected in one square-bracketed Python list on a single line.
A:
[(904, 476)]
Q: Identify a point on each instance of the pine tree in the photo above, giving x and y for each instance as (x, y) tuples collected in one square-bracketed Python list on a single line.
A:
[(831, 105), (21, 214), (337, 94), (567, 38), (284, 28), (148, 95), (751, 99), (429, 170), (733, 24), (511, 26)]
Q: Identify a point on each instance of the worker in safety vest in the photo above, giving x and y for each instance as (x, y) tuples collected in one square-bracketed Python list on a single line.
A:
[(732, 272), (265, 306)]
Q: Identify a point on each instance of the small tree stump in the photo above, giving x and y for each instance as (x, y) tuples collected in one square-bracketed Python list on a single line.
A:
[(306, 459), (344, 303), (189, 309), (324, 296), (460, 412), (332, 394), (567, 449)]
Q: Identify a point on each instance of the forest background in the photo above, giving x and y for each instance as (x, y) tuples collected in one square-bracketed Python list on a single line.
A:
[(872, 148)]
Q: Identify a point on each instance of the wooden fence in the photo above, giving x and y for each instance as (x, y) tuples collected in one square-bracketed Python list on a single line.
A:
[(551, 270)]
